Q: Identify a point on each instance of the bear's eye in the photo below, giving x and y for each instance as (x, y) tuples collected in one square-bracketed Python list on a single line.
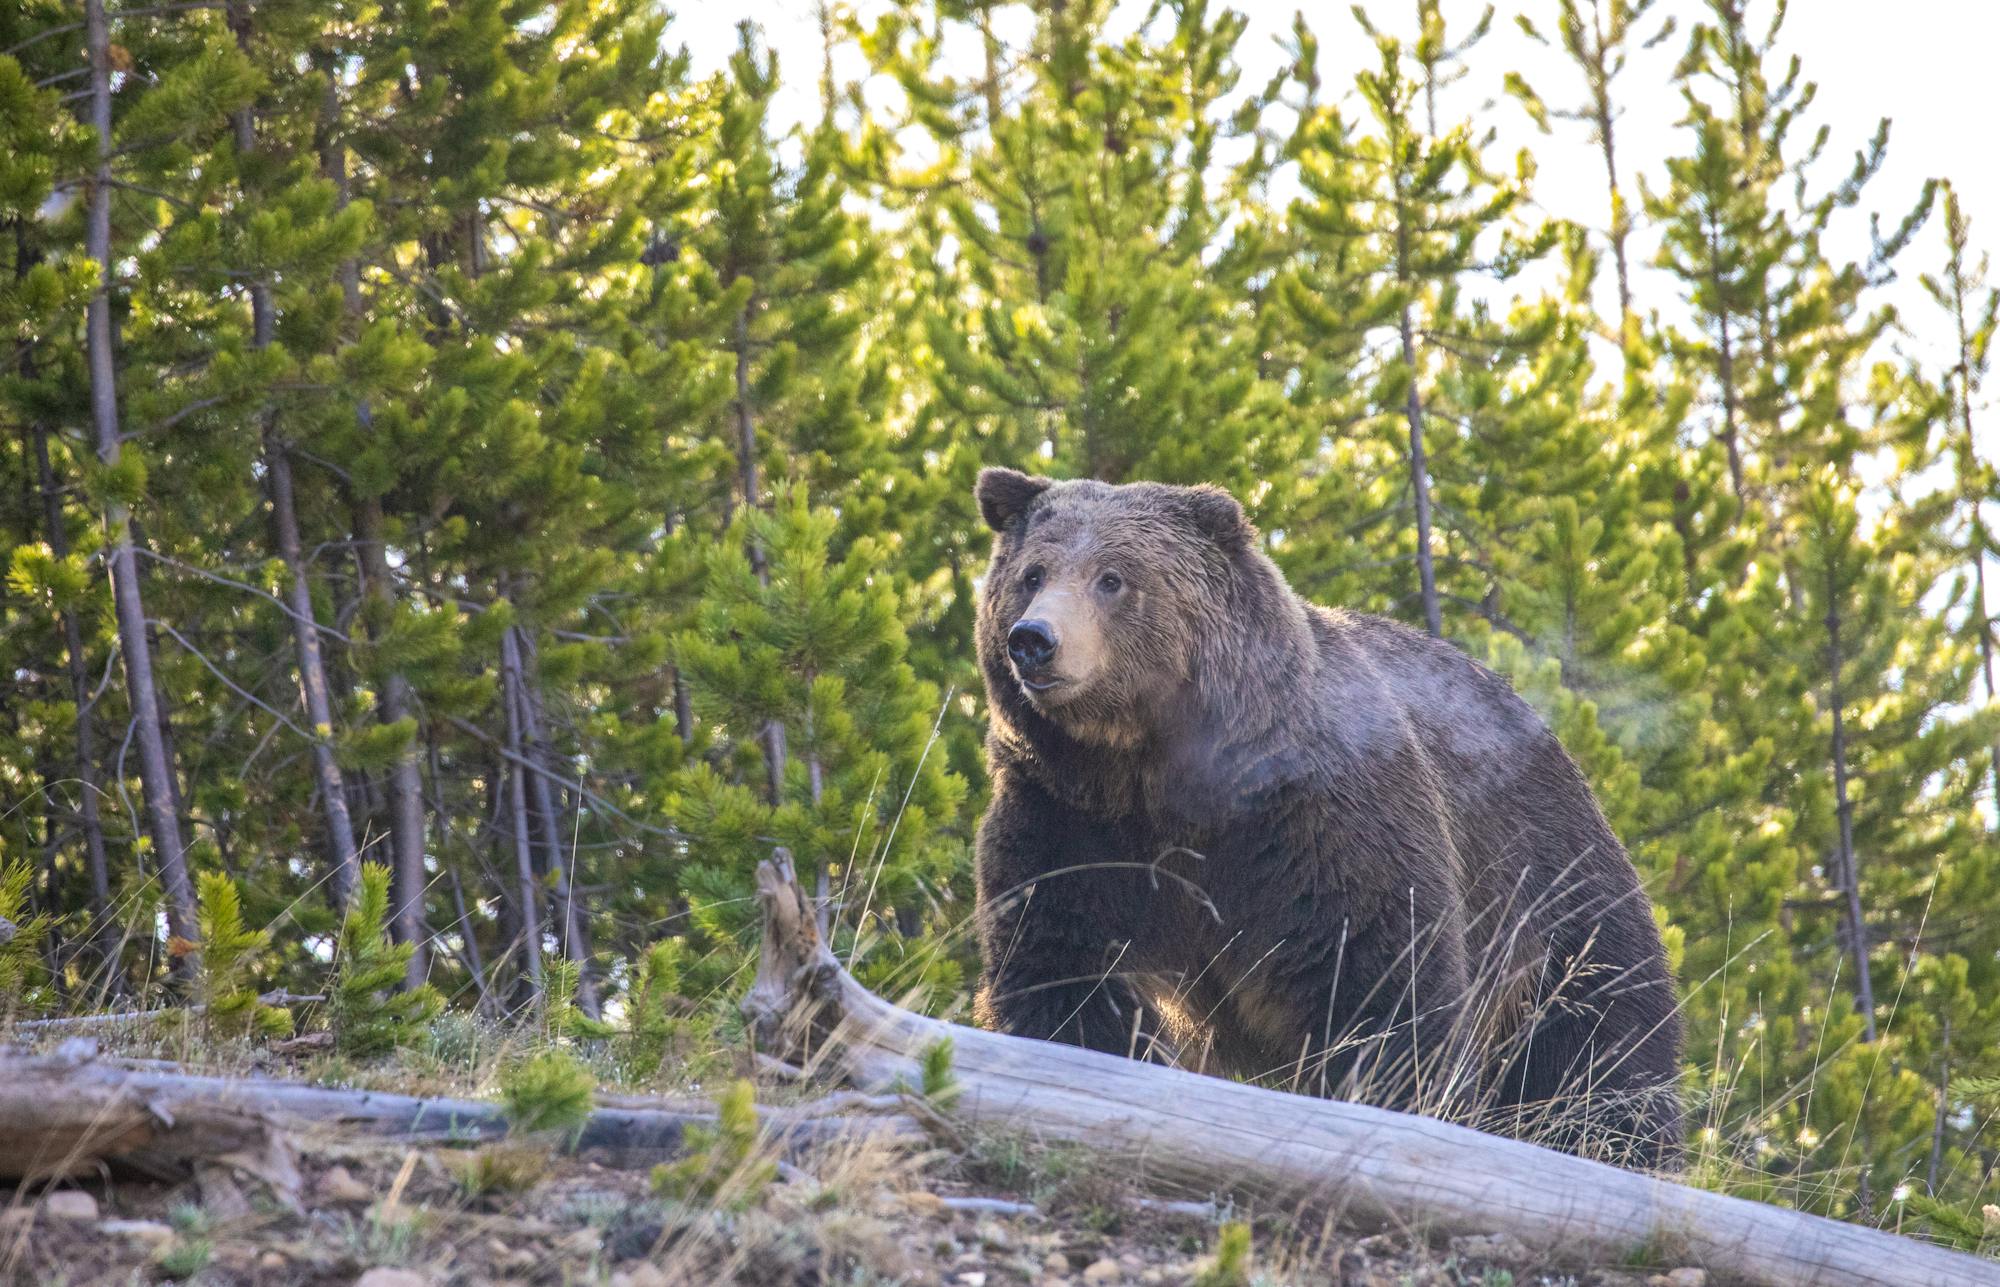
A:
[(1111, 583), (1031, 580)]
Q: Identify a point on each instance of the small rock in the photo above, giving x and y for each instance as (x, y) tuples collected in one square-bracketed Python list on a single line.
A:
[(69, 1204), (642, 1275), (1689, 1277), (1131, 1263), (1502, 1247), (994, 1235), (339, 1185), (585, 1242), (150, 1232), (1056, 1265), (1106, 1270), (974, 1279), (271, 1260), (1152, 1276), (386, 1277)]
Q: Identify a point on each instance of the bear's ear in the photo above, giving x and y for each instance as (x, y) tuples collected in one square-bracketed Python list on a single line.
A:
[(1219, 517), (1004, 493)]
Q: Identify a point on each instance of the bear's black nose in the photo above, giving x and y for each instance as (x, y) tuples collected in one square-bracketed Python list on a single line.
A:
[(1032, 645)]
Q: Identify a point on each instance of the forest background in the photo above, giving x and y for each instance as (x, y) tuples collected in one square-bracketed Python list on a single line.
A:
[(476, 468)]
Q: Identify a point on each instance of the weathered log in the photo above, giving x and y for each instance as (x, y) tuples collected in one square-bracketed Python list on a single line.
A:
[(66, 1114), (79, 1024), (69, 1112), (1368, 1167)]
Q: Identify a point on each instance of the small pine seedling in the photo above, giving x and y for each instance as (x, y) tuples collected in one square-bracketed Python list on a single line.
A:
[(940, 1084), (721, 1160), (1231, 1267), (229, 950), (1963, 1228), (365, 1010), (548, 1091), (651, 1023), (21, 933)]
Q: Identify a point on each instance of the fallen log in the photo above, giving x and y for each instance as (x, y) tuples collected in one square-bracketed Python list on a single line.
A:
[(1368, 1167), (70, 1113), (78, 1024)]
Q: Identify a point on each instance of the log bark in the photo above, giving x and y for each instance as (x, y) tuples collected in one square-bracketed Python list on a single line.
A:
[(1368, 1167), (70, 1112)]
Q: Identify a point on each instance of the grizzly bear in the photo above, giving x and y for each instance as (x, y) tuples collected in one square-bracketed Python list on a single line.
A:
[(1246, 834)]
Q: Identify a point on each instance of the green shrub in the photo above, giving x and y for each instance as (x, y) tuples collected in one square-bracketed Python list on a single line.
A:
[(721, 1162), (547, 1091)]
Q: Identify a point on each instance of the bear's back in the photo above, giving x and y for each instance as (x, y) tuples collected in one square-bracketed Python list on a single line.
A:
[(1529, 835)]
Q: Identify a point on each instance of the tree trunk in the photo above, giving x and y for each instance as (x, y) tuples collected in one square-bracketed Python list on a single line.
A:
[(572, 919), (343, 856), (343, 862), (524, 854), (406, 787), (1366, 1167), (104, 934), (155, 768), (1420, 483), (1850, 866), (1725, 372)]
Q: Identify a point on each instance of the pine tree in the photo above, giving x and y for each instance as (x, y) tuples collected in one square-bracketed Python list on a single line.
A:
[(229, 951), (1072, 275), (814, 645), (1960, 289), (1398, 221), (1597, 36), (368, 1010)]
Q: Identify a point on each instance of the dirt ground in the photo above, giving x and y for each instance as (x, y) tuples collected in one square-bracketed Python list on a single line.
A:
[(387, 1215)]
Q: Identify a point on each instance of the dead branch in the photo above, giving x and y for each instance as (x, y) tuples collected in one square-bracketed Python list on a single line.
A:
[(1369, 1167)]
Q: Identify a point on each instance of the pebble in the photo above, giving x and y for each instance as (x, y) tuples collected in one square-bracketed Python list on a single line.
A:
[(585, 1242), (386, 1277), (1680, 1278), (1056, 1265), (643, 1275), (974, 1279), (1503, 1247), (271, 1260), (339, 1185), (69, 1204), (1104, 1271), (147, 1231)]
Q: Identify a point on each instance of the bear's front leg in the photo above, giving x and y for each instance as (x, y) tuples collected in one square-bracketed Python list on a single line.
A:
[(1056, 900)]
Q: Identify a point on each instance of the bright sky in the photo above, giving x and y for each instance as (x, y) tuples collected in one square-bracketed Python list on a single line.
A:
[(1926, 64)]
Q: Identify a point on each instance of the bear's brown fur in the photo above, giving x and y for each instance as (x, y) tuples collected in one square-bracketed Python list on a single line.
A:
[(1239, 831)]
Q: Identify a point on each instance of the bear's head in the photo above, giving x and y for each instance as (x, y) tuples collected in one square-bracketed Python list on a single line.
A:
[(1105, 605)]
